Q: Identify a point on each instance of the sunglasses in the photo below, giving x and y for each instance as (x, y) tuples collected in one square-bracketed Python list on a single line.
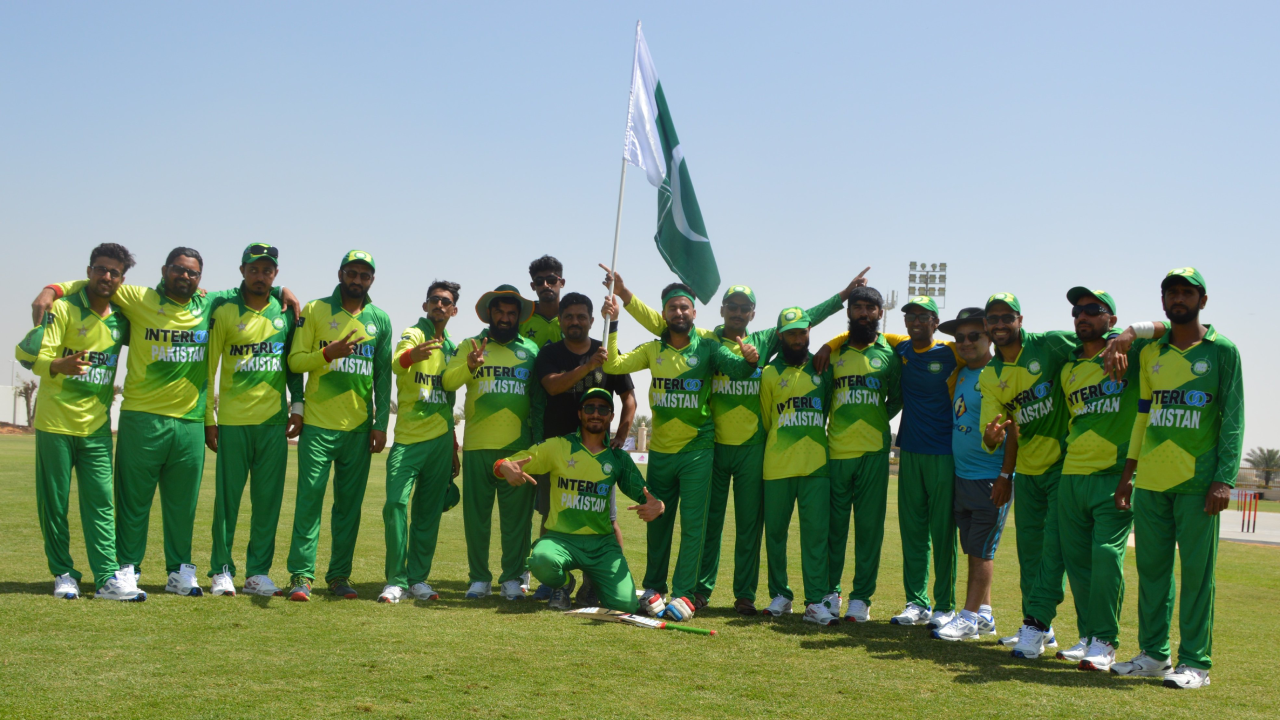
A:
[(1007, 319), (1092, 310), (352, 274), (548, 280), (917, 317), (178, 270), (260, 250), (597, 410), (972, 337), (439, 300), (109, 272), (739, 307)]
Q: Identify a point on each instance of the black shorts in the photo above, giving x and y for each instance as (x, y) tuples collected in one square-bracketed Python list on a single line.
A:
[(979, 520)]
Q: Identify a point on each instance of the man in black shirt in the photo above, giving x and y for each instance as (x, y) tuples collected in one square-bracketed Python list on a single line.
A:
[(567, 369)]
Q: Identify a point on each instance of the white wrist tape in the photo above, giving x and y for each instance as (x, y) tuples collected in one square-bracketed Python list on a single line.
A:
[(1144, 329), (295, 409)]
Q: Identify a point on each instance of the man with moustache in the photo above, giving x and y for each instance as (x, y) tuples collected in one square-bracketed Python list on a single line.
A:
[(546, 279), (250, 335), (498, 374), (343, 344), (160, 438)]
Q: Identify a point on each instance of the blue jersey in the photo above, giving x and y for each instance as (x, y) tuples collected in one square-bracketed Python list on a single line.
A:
[(927, 382), (973, 462)]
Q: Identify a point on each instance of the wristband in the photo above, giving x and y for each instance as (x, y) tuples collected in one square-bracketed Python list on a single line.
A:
[(324, 353), (405, 360), (57, 291), (1146, 330), (613, 326), (296, 408), (1004, 476)]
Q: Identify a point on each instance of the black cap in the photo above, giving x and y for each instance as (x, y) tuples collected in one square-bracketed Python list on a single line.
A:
[(969, 314), (866, 294)]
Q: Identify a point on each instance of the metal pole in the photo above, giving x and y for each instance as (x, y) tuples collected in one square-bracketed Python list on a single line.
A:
[(617, 232), (13, 380)]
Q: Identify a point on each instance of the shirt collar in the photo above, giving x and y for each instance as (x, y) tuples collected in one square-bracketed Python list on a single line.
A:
[(1210, 335), (337, 299)]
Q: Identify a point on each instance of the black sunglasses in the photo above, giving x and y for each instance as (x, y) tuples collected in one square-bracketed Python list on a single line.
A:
[(177, 269), (1092, 310), (109, 272), (259, 250), (440, 300), (596, 410), (739, 307), (547, 280), (971, 337), (1007, 319)]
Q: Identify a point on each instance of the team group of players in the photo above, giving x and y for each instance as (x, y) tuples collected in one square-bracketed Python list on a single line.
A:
[(1096, 432)]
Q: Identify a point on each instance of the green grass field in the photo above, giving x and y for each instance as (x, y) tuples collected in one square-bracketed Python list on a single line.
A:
[(266, 657)]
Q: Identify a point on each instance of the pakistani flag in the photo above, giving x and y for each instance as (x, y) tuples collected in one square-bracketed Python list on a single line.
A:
[(652, 145)]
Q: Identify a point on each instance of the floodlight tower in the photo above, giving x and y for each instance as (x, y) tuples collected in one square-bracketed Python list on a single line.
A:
[(929, 280)]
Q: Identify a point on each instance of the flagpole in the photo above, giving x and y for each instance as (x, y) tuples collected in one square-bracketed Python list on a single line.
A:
[(622, 186)]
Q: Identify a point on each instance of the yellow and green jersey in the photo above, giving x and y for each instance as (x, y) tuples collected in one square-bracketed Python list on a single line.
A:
[(735, 404), (540, 329), (1028, 390), (425, 408), (252, 347), (679, 387), (81, 404), (582, 482), (499, 394), (1100, 413), (794, 402), (168, 348), (867, 393), (1190, 425), (352, 393)]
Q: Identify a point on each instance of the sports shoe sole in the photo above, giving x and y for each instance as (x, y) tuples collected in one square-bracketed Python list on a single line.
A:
[(938, 636), (853, 619), (1062, 655), (1175, 686), (193, 592), (1141, 673), (300, 597), (1087, 666), (833, 622), (896, 621), (1024, 656)]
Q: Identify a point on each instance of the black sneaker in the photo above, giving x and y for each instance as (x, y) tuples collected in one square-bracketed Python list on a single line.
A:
[(700, 601), (342, 588), (587, 596), (561, 598)]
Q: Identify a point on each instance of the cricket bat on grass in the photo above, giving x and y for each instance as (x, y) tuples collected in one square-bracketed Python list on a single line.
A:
[(617, 616)]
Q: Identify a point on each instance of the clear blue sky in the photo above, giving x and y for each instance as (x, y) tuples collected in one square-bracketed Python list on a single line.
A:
[(1031, 148)]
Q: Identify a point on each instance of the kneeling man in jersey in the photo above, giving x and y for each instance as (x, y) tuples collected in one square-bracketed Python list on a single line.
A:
[(583, 470)]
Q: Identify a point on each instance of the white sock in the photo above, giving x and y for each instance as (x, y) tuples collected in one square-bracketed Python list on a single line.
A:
[(969, 615), (984, 610)]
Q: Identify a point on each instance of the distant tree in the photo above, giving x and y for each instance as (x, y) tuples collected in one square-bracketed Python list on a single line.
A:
[(27, 391), (458, 416), (119, 390), (638, 422), (1265, 461)]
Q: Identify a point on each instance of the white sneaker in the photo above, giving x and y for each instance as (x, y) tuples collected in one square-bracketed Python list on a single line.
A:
[(512, 590), (65, 587), (958, 629), (525, 580), (423, 591), (118, 588), (987, 625), (912, 614), (1008, 641), (1143, 665), (391, 594), (1100, 658), (818, 613), (222, 584), (832, 601), (1050, 639), (938, 620), (1186, 678), (779, 607), (857, 612), (1030, 643), (261, 585), (479, 589), (1076, 652), (128, 575), (184, 582)]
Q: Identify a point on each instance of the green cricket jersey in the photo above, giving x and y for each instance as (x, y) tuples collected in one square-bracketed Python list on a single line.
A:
[(866, 396), (353, 393), (541, 330), (581, 482), (499, 393), (1100, 413), (75, 405), (794, 402), (1029, 390), (168, 348), (735, 404), (425, 408), (252, 346), (1190, 425), (679, 387)]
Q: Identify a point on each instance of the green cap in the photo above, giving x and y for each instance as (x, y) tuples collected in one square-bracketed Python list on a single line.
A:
[(257, 251), (739, 290), (924, 302), (1190, 274), (793, 318), (597, 392), (482, 305), (1007, 298), (358, 256), (1075, 293)]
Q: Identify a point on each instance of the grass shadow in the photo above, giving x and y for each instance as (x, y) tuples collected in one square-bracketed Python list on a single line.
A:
[(36, 588)]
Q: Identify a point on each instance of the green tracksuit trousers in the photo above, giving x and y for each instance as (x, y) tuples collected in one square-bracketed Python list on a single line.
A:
[(255, 455), (1035, 517), (1161, 520), (813, 495), (1094, 537), (556, 554), (90, 457), (683, 482), (419, 470), (862, 485), (515, 515), (744, 466), (926, 517), (157, 450), (348, 454)]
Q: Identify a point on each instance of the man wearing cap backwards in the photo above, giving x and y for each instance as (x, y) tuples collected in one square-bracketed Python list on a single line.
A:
[(977, 515), (160, 438), (682, 365), (420, 463), (794, 401), (343, 343), (867, 394), (739, 434), (497, 368), (583, 469), (926, 473), (546, 279), (75, 351), (250, 334), (1186, 443)]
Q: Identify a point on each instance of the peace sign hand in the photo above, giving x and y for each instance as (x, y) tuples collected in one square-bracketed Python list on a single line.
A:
[(514, 474), (342, 348), (995, 431), (423, 350), (475, 358), (651, 509)]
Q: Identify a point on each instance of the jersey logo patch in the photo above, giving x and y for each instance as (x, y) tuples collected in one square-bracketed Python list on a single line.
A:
[(1034, 367), (693, 361), (1201, 367), (935, 367), (607, 468), (278, 323), (371, 329), (520, 354), (876, 363), (115, 334)]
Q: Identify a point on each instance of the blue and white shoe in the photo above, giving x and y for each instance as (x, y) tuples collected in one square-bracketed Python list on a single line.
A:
[(543, 592), (65, 587), (120, 588), (986, 624), (184, 582), (479, 590), (912, 614)]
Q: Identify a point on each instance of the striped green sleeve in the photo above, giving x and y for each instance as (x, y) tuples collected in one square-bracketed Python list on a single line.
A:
[(1231, 433)]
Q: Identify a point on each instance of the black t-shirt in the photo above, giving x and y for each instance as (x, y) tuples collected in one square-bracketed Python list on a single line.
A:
[(561, 415)]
